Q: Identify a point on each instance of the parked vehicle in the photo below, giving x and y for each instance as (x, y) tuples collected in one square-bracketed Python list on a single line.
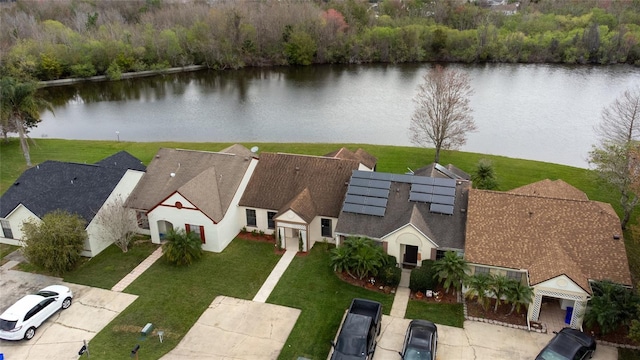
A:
[(568, 344), (21, 319), (420, 341), (357, 336)]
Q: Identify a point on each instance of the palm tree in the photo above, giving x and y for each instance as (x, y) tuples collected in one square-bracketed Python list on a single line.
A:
[(478, 285), (498, 287), (452, 269), (612, 305), (341, 259), (182, 248), (368, 260), (20, 109), (518, 295)]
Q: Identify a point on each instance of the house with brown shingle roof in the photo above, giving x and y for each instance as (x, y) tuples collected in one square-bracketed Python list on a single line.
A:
[(550, 235), (403, 219), (297, 197), (367, 161), (197, 191)]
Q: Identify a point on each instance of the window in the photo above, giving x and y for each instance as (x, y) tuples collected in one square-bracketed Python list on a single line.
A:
[(251, 217), (6, 229), (270, 223), (325, 225), (196, 229), (481, 270), (143, 220), (515, 275), (440, 254)]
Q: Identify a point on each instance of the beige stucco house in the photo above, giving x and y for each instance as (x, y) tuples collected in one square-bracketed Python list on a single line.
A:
[(298, 197), (81, 189), (197, 191), (551, 236), (414, 217)]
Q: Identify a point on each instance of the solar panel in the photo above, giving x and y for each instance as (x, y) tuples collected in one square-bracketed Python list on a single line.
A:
[(444, 182), (446, 171), (381, 176), (352, 208), (425, 189), (422, 180), (439, 190), (419, 197), (365, 191), (444, 200), (442, 209), (380, 184), (360, 182), (361, 174), (373, 210), (365, 200), (402, 178)]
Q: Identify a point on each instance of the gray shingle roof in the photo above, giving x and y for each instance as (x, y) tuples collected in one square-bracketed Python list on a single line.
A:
[(77, 188), (209, 180), (447, 231)]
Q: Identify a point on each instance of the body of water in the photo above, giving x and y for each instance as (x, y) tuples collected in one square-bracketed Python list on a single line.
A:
[(538, 112)]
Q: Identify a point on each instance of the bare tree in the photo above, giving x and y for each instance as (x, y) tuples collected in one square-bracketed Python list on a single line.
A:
[(119, 223), (442, 117), (615, 158)]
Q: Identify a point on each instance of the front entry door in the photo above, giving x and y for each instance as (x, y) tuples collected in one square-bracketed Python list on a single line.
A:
[(410, 255)]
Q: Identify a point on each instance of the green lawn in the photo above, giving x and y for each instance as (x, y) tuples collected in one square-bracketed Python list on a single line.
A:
[(173, 298), (445, 314), (310, 284), (111, 265)]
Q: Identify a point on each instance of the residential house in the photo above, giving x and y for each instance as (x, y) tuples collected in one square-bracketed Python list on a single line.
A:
[(551, 236), (367, 161), (80, 189), (299, 195), (414, 217), (197, 191)]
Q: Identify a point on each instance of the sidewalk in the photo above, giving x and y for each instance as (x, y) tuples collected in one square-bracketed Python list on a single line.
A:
[(144, 265), (274, 277), (400, 301)]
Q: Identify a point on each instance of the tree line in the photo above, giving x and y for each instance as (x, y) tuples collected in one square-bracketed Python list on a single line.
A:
[(76, 39)]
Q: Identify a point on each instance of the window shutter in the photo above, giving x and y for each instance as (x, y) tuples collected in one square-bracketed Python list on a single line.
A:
[(202, 234)]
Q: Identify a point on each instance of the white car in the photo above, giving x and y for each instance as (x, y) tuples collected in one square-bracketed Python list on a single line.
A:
[(21, 319)]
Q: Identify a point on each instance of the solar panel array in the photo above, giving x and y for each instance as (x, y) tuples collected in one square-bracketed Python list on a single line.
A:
[(368, 192)]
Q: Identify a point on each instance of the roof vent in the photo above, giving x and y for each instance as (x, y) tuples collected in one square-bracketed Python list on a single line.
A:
[(463, 210), (616, 237), (297, 168), (16, 183), (172, 174)]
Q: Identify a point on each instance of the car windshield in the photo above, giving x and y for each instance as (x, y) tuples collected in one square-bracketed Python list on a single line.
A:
[(549, 354), (417, 354), (353, 345), (7, 325)]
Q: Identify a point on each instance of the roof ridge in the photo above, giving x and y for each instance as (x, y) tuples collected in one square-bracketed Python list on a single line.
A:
[(508, 192)]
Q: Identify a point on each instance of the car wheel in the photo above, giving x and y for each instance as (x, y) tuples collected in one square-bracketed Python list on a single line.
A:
[(30, 333), (66, 303)]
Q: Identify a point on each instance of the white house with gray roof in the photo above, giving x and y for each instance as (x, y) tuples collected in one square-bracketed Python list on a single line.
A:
[(77, 188)]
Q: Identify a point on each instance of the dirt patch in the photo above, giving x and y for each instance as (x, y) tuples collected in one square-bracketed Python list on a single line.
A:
[(439, 295), (367, 283), (502, 314)]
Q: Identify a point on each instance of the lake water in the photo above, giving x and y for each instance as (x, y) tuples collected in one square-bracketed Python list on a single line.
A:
[(539, 112)]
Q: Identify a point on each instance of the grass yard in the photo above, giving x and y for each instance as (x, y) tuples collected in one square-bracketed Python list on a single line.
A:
[(310, 284), (445, 314), (111, 265), (173, 298)]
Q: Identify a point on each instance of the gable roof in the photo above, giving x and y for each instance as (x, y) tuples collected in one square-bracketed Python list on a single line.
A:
[(547, 236), (432, 170), (446, 231), (77, 188), (557, 189), (279, 179), (209, 180), (359, 155)]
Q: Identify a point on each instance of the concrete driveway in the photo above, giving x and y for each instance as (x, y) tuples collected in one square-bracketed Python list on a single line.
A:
[(233, 328), (476, 341), (62, 335)]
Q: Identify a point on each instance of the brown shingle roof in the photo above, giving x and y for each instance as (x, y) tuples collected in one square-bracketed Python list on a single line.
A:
[(360, 156), (302, 205), (547, 236), (557, 189), (279, 178), (209, 180)]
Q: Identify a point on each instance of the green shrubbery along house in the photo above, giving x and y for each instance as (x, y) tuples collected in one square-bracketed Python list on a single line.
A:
[(550, 236)]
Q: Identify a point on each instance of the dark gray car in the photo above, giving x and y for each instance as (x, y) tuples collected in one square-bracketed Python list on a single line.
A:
[(420, 341)]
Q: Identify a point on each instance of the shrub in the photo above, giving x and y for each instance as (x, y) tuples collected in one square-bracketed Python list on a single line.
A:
[(423, 277), (182, 248), (55, 243), (390, 275)]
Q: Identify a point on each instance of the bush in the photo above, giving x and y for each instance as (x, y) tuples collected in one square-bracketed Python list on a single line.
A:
[(55, 243), (182, 248), (424, 277), (390, 275)]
